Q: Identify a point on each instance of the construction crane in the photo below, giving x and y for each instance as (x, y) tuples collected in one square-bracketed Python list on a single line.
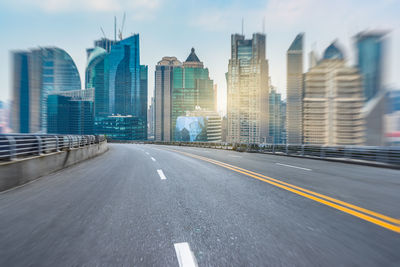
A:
[(101, 28), (122, 27)]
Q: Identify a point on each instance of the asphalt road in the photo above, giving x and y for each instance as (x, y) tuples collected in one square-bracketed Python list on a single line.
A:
[(149, 205)]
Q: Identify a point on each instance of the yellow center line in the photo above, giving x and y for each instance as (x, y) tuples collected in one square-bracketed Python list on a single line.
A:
[(384, 217), (326, 200)]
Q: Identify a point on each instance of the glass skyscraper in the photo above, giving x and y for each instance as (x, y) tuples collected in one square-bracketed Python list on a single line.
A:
[(95, 78), (119, 81), (36, 73), (248, 85), (121, 127), (370, 56), (191, 88)]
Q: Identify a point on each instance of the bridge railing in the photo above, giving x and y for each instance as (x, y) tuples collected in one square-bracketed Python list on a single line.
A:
[(13, 146), (388, 155)]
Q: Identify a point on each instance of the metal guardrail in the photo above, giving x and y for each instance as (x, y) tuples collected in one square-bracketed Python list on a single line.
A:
[(387, 155), (13, 146)]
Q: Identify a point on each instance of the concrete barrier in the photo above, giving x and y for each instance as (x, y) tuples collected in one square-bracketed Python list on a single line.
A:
[(21, 171)]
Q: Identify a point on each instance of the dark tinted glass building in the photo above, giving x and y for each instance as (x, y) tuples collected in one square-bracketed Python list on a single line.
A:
[(370, 48), (95, 78), (121, 127), (70, 112)]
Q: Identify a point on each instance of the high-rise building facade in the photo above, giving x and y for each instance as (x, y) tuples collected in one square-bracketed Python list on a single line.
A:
[(119, 127), (123, 77), (333, 102), (191, 88), (163, 98), (275, 117), (71, 112), (36, 73), (370, 61), (96, 72), (248, 85), (294, 91), (120, 82)]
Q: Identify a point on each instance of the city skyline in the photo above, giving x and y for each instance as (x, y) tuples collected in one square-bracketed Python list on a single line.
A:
[(205, 26)]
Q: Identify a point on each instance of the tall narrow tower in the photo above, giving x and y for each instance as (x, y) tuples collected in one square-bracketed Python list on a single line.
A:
[(163, 98), (294, 91), (247, 81)]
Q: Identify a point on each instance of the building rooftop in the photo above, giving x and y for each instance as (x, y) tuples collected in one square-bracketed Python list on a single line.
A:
[(192, 57), (297, 43), (333, 52)]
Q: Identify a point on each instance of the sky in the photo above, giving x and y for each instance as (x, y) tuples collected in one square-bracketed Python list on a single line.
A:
[(173, 27)]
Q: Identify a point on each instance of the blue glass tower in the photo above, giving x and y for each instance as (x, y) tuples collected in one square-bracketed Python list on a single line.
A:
[(120, 84), (21, 104), (36, 74), (124, 76), (95, 78), (370, 47)]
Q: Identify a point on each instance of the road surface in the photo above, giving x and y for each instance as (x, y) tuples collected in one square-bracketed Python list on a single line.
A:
[(149, 205)]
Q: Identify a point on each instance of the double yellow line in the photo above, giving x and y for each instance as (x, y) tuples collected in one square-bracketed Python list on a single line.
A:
[(365, 214)]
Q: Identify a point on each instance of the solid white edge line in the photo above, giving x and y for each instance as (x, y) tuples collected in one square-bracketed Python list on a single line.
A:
[(153, 159), (306, 169), (185, 255), (161, 174)]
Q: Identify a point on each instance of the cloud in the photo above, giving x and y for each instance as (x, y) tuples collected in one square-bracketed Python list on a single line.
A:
[(69, 6)]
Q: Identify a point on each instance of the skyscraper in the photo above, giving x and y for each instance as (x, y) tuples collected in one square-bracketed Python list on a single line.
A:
[(275, 117), (36, 73), (192, 87), (333, 102), (95, 78), (248, 85), (370, 59), (370, 62), (163, 98), (123, 63), (120, 83), (294, 91), (142, 112)]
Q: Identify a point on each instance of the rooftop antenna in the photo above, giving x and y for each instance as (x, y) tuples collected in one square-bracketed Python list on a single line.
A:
[(263, 25), (115, 28), (242, 26), (122, 27)]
